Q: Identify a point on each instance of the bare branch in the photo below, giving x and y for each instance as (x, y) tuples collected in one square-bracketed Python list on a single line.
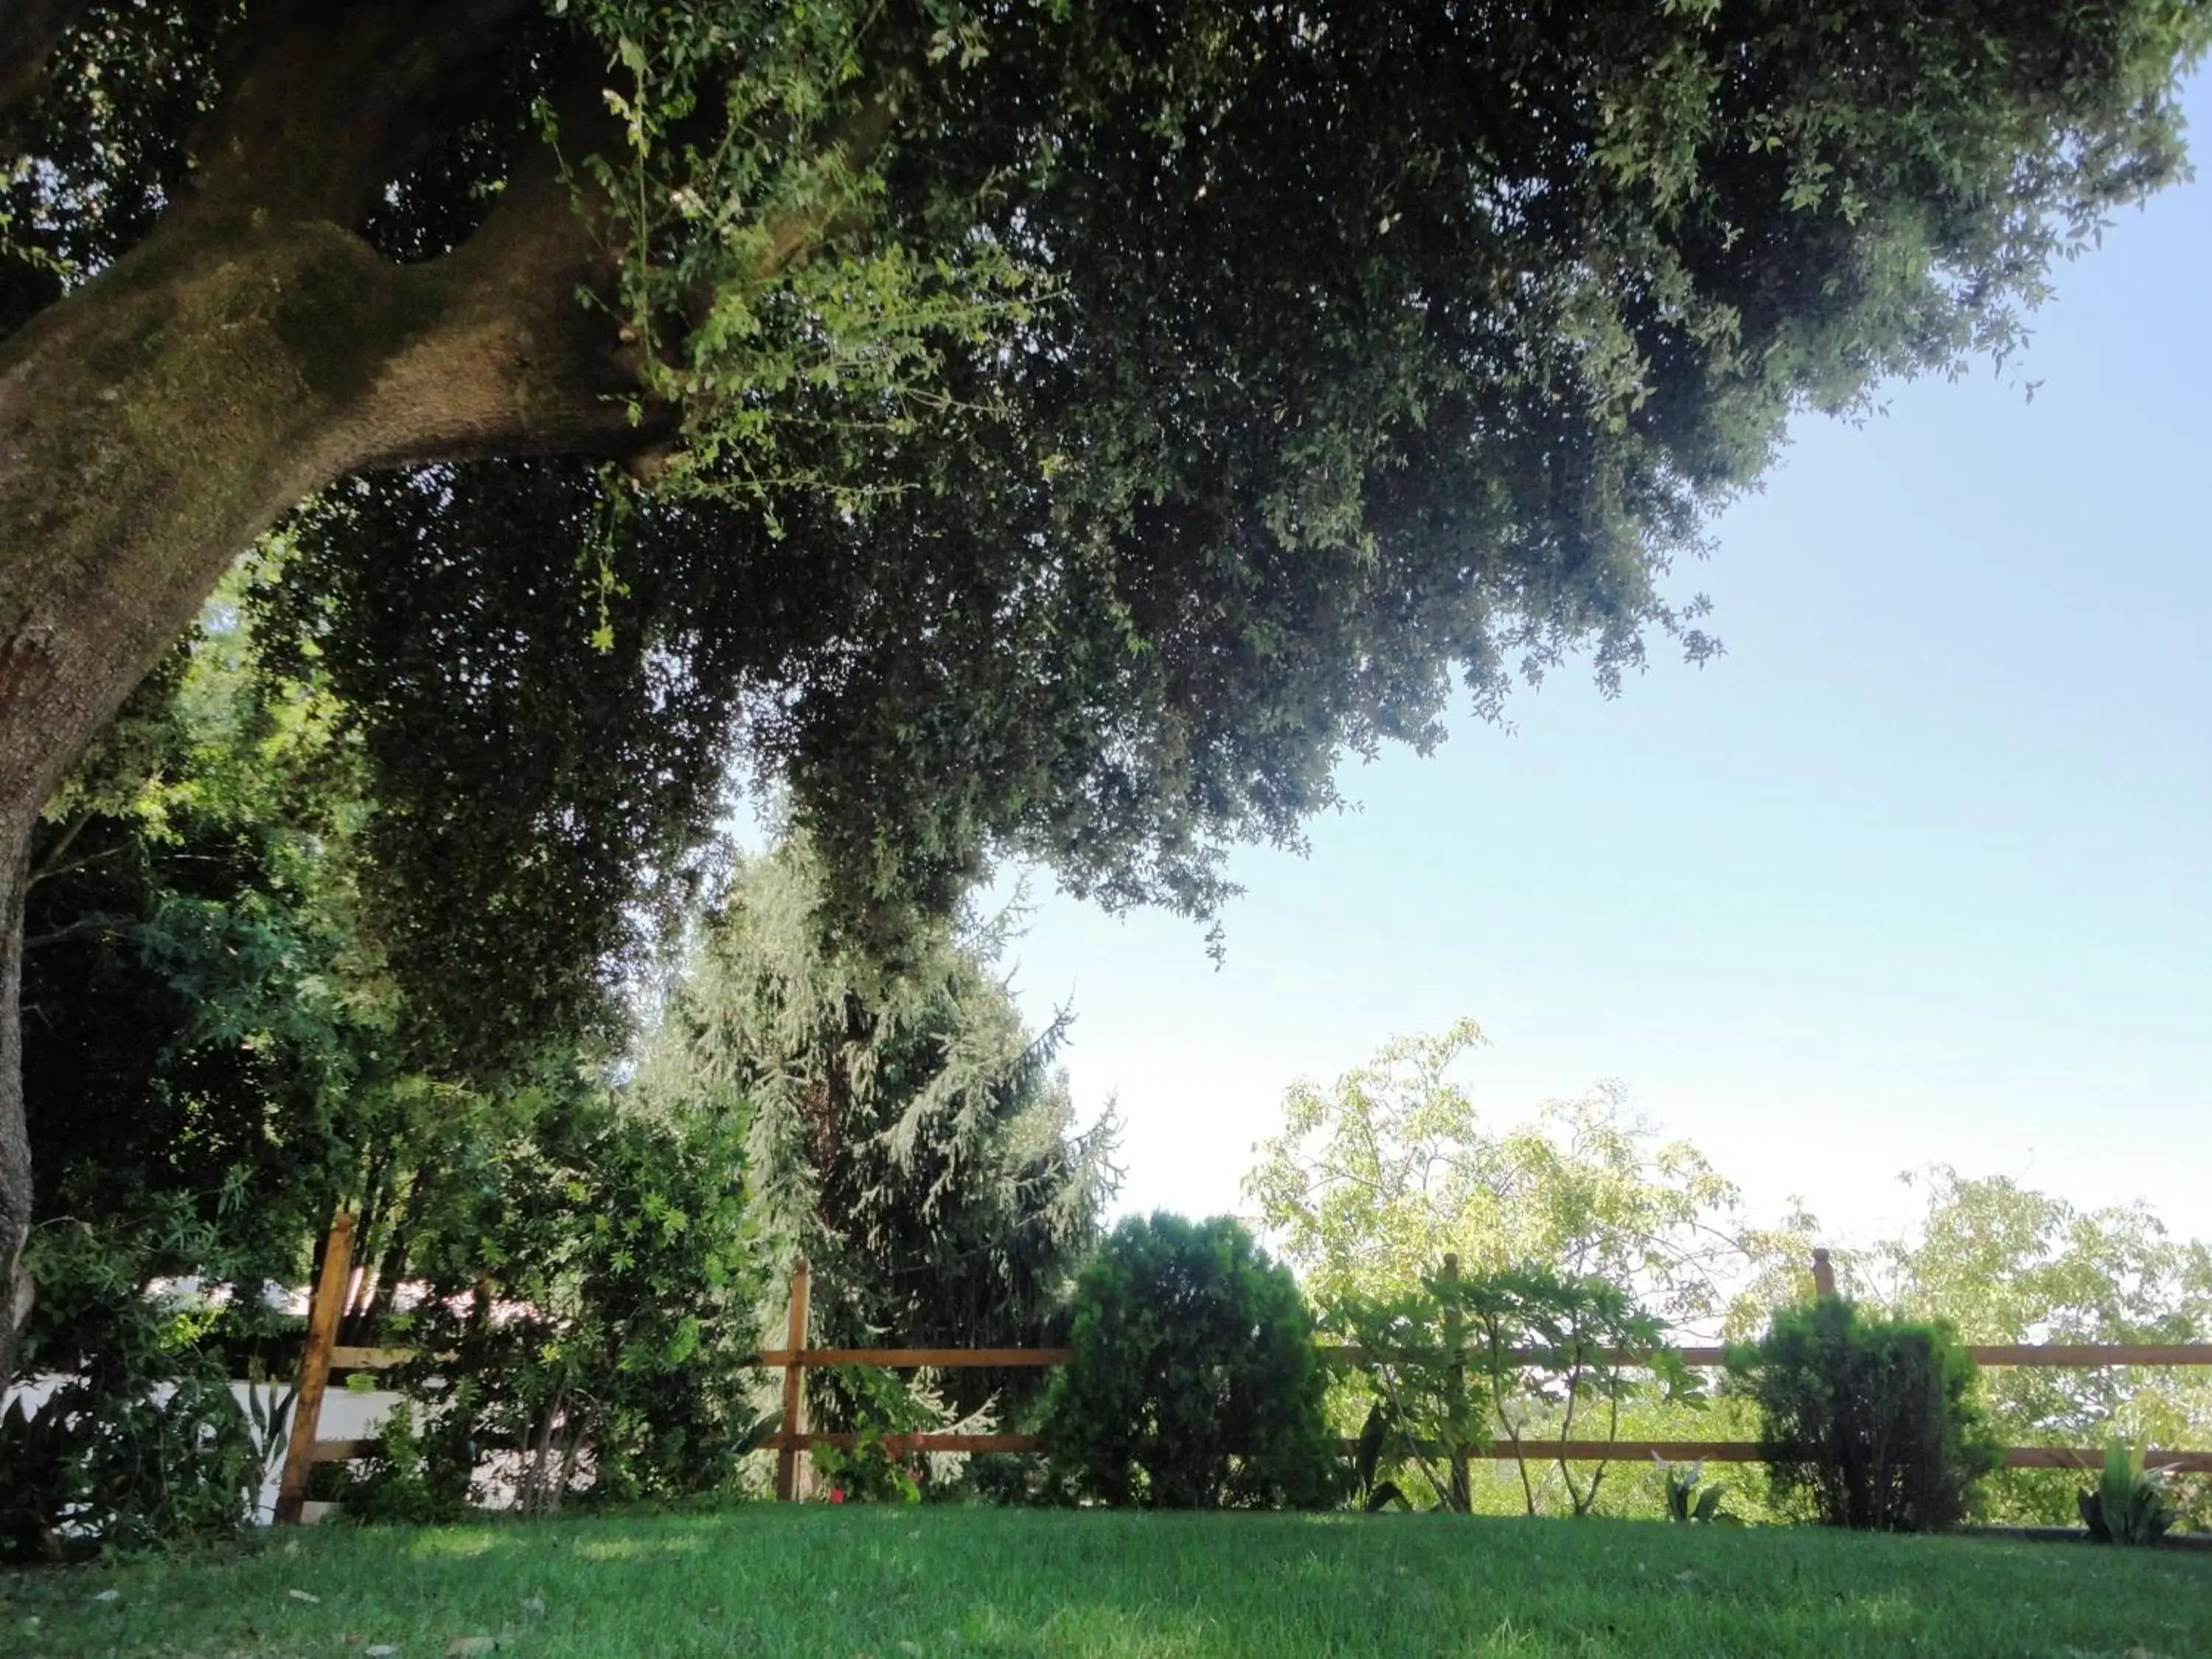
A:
[(51, 864), (95, 923)]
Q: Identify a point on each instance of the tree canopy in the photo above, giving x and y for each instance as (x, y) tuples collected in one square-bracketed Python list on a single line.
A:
[(1066, 427), (2005, 1263), (1374, 1180)]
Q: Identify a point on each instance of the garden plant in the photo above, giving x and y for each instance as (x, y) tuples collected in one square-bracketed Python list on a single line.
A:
[(1868, 1422), (1194, 1383)]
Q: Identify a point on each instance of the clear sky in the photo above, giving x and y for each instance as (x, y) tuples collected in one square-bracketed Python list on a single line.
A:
[(1920, 871)]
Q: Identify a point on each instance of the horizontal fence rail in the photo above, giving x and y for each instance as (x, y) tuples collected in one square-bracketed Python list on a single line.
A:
[(907, 1359), (343, 1358)]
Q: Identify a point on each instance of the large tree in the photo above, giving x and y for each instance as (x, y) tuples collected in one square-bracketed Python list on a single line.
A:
[(1085, 419)]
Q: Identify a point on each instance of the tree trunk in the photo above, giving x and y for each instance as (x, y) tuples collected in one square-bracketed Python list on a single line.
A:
[(156, 420), (14, 1138)]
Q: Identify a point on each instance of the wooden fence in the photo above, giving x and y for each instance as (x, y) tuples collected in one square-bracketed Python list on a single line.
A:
[(324, 1356), (795, 1359)]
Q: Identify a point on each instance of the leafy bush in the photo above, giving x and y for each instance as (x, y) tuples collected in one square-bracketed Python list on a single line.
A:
[(404, 1482), (1867, 1423), (144, 1442), (869, 1472), (589, 1314), (2128, 1506), (1011, 1479), (92, 1470), (1194, 1383), (875, 1469)]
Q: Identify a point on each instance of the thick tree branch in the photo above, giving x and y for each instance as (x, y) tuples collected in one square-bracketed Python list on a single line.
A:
[(857, 136), (516, 362)]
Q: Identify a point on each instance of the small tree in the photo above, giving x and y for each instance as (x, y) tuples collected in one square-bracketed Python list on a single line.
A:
[(906, 1130), (1375, 1179), (1867, 1423), (591, 1282), (1194, 1383), (1523, 1351)]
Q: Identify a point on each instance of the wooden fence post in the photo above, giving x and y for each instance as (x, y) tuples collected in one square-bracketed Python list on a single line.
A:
[(323, 1315), (789, 1472), (1824, 1276)]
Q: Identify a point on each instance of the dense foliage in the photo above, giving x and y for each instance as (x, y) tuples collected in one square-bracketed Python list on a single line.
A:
[(582, 1244), (140, 1439), (202, 1035), (2003, 1263), (201, 1014), (1177, 395), (1194, 1383), (1868, 1422), (584, 1304), (595, 1282), (1375, 1179)]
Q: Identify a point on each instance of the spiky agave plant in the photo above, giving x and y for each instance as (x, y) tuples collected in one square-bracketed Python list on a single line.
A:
[(2128, 1506)]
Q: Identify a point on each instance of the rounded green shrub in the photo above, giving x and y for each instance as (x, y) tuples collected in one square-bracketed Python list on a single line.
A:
[(1194, 1383), (1868, 1422)]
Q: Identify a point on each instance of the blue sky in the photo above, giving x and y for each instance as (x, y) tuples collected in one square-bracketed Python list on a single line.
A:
[(1920, 871)]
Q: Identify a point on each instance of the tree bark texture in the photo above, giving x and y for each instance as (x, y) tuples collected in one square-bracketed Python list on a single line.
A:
[(15, 1139), (252, 349)]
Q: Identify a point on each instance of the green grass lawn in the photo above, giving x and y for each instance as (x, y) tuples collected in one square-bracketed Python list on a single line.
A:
[(894, 1582)]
